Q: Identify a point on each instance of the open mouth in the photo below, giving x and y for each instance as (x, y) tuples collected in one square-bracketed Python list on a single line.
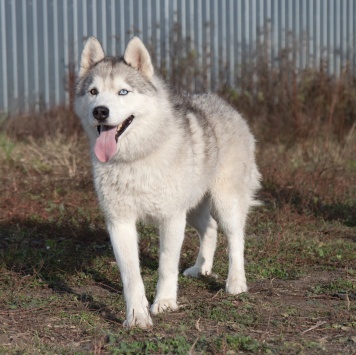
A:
[(120, 129), (106, 144)]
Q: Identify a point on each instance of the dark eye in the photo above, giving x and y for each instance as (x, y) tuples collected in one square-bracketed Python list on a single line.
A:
[(123, 92), (94, 91)]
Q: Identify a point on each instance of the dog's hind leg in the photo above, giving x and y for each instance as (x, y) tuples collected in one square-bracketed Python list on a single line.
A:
[(201, 219), (232, 209)]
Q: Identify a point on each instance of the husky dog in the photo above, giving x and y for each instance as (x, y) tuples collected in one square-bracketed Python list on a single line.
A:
[(164, 157)]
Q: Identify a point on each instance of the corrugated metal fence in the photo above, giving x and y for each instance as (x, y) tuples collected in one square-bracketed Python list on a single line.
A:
[(41, 40)]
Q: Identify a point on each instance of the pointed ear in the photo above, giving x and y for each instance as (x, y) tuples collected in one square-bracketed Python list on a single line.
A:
[(137, 56), (92, 53)]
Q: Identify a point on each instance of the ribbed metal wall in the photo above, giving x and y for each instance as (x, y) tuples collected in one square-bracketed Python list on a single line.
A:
[(41, 39)]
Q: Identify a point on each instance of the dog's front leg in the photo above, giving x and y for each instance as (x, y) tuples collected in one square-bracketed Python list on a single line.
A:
[(123, 237), (171, 239)]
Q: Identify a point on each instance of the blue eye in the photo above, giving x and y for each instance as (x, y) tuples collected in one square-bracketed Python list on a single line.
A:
[(123, 92)]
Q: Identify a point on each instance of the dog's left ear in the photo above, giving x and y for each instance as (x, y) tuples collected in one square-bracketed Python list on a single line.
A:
[(137, 56), (92, 53)]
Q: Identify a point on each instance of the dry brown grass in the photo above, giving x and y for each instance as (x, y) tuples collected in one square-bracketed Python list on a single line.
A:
[(304, 122), (287, 105), (56, 122)]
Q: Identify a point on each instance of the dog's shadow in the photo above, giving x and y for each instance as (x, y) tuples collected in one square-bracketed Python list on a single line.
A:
[(58, 253)]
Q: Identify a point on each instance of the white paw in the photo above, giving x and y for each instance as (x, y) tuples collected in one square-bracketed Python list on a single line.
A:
[(140, 320), (236, 286), (196, 271), (168, 304)]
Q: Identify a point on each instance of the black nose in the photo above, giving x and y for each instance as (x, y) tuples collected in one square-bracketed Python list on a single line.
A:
[(101, 113)]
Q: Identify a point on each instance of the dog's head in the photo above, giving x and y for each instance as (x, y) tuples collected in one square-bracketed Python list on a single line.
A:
[(116, 98)]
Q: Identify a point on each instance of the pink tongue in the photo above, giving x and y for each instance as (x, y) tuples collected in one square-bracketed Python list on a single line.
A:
[(105, 146)]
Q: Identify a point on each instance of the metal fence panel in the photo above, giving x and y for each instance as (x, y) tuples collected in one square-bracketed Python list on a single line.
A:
[(41, 40)]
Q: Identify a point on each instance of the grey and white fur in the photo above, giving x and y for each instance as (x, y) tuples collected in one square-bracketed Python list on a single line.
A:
[(165, 158)]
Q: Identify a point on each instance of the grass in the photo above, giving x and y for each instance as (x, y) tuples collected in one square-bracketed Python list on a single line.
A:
[(60, 289)]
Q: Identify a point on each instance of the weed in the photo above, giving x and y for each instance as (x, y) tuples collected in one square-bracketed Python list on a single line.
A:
[(335, 287), (6, 145)]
